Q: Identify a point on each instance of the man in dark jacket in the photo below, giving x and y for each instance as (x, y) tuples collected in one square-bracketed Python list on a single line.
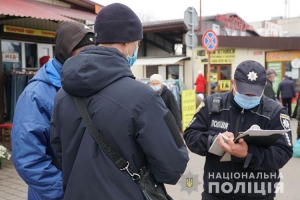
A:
[(157, 84), (288, 92), (269, 92), (32, 152), (253, 172), (129, 115)]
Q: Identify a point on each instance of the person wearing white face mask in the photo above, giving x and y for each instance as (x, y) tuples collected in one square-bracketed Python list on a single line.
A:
[(231, 113), (157, 84)]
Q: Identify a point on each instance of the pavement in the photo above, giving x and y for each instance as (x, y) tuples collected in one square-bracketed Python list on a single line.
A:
[(12, 186)]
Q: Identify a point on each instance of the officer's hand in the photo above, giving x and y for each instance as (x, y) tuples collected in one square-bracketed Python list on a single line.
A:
[(228, 134), (239, 149)]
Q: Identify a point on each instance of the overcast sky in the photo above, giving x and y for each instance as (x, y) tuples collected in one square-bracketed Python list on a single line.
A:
[(249, 10)]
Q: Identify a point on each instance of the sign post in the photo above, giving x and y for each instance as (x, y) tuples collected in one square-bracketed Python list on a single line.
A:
[(191, 22), (210, 43)]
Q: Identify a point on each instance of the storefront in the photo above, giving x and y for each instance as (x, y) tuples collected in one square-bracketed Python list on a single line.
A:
[(21, 58), (281, 62), (220, 68), (27, 42)]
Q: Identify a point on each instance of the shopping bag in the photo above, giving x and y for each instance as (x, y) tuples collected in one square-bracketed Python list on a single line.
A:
[(296, 149)]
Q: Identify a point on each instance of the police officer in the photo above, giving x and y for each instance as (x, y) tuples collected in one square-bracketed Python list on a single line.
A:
[(252, 172)]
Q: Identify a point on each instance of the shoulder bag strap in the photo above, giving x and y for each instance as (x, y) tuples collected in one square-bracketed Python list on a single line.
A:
[(121, 163)]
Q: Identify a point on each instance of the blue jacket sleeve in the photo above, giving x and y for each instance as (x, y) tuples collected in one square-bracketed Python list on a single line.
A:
[(277, 155), (30, 138), (197, 135), (161, 141)]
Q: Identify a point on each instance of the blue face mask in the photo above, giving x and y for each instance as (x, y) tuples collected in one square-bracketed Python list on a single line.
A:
[(245, 101), (156, 87), (132, 59)]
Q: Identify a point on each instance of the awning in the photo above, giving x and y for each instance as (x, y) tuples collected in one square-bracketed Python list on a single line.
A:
[(21, 8), (67, 12), (159, 61)]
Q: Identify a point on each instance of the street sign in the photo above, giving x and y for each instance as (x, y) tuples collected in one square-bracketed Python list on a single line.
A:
[(210, 41), (189, 39), (191, 21), (191, 18)]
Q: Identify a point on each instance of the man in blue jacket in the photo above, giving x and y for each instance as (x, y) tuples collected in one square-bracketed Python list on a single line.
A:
[(287, 89), (129, 114), (253, 172), (32, 153)]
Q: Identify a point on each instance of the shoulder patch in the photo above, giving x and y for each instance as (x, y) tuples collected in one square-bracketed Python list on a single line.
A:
[(202, 104), (285, 121)]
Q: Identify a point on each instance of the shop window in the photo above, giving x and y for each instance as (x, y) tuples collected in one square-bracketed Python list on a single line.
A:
[(151, 70), (172, 72), (53, 50), (288, 69), (31, 55), (11, 56), (11, 61)]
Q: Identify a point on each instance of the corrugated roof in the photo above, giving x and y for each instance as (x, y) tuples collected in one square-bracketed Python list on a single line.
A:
[(67, 12), (21, 8)]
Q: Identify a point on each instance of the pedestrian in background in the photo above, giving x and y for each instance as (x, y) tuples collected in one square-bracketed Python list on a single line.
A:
[(157, 84), (200, 83), (131, 117), (32, 154), (269, 91), (287, 90)]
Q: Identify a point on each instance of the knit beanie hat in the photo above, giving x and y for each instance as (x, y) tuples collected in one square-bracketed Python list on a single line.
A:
[(68, 36), (117, 23), (88, 39), (156, 77)]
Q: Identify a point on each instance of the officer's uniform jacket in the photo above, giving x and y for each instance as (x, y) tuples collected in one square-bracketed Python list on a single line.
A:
[(261, 165)]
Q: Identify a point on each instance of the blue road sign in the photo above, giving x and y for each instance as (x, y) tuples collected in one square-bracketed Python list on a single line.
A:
[(210, 41)]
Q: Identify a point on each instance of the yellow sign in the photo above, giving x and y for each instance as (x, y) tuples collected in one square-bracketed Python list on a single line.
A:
[(220, 56), (225, 85), (28, 31), (188, 106), (213, 77), (282, 56)]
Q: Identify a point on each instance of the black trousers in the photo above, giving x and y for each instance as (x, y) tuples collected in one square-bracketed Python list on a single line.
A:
[(287, 103)]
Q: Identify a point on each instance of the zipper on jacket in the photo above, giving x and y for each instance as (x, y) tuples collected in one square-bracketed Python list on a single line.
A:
[(242, 112)]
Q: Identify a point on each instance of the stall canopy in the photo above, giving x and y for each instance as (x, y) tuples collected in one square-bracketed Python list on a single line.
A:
[(159, 61), (33, 9)]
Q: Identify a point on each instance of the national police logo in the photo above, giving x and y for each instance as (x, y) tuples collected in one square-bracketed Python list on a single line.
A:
[(285, 121), (252, 76), (189, 182)]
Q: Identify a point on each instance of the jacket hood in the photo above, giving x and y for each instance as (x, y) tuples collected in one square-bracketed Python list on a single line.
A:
[(93, 69), (41, 74)]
